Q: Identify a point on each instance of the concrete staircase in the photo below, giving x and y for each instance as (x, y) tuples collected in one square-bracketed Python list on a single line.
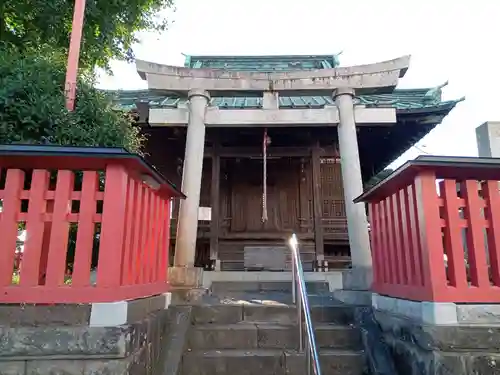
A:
[(251, 328)]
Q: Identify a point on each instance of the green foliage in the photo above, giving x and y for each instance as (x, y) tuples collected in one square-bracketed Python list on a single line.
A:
[(109, 30), (34, 42), (32, 106)]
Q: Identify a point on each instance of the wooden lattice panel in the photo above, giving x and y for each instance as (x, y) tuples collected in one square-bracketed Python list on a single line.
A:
[(334, 221)]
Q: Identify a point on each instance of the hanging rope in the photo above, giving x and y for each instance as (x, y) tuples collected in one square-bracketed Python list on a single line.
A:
[(265, 143)]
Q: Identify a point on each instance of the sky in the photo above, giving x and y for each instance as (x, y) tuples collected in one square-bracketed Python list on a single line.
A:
[(455, 41)]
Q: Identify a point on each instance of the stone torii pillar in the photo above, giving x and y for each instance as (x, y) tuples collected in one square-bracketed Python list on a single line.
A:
[(187, 225), (357, 223)]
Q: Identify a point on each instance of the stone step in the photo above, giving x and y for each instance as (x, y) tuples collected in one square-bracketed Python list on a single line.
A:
[(313, 287), (267, 298), (269, 362), (269, 336), (281, 314)]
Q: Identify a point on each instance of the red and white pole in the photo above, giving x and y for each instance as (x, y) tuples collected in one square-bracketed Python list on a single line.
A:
[(74, 54)]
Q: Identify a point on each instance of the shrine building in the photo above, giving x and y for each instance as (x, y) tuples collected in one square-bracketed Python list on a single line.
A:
[(267, 146)]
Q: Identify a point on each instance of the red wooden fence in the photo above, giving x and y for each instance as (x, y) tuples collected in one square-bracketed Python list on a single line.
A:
[(435, 230), (78, 204)]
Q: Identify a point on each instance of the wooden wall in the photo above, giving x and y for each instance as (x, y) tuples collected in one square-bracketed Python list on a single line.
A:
[(290, 194), (243, 195), (296, 176)]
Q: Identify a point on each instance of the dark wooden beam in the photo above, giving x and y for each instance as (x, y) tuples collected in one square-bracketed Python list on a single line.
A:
[(317, 211), (247, 237), (249, 152), (215, 203)]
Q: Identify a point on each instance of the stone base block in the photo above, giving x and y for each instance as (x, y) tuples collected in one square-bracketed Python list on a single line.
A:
[(187, 295), (111, 314), (185, 277), (106, 314), (333, 278), (439, 313), (358, 278), (427, 349), (354, 297), (129, 349)]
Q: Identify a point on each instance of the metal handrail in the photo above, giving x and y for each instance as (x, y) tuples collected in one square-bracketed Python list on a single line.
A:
[(300, 299)]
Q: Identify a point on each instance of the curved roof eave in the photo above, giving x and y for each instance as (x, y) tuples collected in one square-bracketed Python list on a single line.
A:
[(445, 106)]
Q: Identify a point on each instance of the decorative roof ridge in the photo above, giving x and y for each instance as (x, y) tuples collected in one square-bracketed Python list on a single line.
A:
[(402, 90), (127, 91), (200, 61), (435, 93), (251, 57)]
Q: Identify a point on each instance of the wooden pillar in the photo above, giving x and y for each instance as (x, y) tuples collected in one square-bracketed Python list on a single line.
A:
[(317, 211), (215, 204)]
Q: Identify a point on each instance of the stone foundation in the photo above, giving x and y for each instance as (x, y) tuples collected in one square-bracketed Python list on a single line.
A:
[(421, 349), (60, 340), (440, 339)]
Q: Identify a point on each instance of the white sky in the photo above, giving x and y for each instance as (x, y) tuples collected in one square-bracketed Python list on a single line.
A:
[(448, 40)]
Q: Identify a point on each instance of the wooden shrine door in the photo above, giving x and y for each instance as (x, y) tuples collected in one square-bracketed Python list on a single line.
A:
[(246, 187)]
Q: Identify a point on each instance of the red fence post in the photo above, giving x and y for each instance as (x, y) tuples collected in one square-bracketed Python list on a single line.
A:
[(154, 244), (378, 262), (415, 235), (86, 229), (9, 224), (56, 261), (112, 226), (164, 242), (389, 221), (453, 234), (431, 241), (131, 222), (406, 238), (492, 215), (475, 236), (144, 225), (35, 225)]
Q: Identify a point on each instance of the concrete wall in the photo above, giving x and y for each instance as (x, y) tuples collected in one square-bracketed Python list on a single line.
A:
[(488, 139), (58, 340)]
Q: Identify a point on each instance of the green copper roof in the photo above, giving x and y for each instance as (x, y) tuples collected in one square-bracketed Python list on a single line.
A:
[(403, 99), (418, 110), (263, 63)]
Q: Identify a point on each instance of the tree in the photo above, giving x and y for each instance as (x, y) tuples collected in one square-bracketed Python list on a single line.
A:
[(34, 41), (32, 111), (109, 31), (32, 105)]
